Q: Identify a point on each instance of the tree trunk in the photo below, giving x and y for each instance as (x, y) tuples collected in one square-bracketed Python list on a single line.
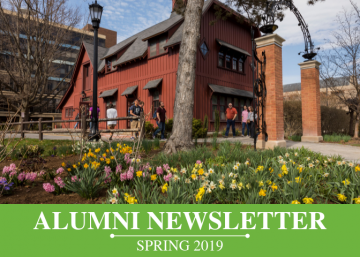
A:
[(180, 139), (351, 124), (357, 117)]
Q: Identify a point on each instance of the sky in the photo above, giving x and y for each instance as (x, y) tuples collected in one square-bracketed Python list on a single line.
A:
[(129, 17)]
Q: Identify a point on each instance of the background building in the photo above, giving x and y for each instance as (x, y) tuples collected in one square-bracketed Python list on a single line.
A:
[(64, 64)]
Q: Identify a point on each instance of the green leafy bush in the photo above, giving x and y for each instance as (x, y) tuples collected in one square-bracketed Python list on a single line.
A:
[(149, 129), (206, 122), (337, 138), (217, 121)]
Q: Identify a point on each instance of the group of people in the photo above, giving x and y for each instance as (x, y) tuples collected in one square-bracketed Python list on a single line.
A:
[(134, 111), (248, 120)]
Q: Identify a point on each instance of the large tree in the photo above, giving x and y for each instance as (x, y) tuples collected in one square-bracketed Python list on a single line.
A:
[(36, 38), (341, 60), (251, 10)]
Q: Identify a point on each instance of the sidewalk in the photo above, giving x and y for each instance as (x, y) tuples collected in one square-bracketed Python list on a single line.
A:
[(348, 152)]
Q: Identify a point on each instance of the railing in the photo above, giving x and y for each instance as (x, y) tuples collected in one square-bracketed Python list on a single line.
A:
[(83, 121)]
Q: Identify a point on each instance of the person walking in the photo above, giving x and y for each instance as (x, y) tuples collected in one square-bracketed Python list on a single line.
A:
[(231, 114), (111, 113), (252, 121), (135, 110), (90, 113), (160, 120), (244, 120), (77, 123)]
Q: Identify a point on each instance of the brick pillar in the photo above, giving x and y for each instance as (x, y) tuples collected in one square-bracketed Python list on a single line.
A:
[(310, 101), (274, 112)]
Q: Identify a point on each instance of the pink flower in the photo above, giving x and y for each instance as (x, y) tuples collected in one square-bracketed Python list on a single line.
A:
[(166, 166), (127, 158), (145, 174), (31, 176), (131, 169), (13, 173), (59, 182), (107, 171), (198, 162), (74, 178), (159, 171), (118, 169), (12, 166), (60, 170), (41, 173), (108, 180), (6, 170), (129, 175), (168, 177), (21, 176), (123, 176), (48, 187)]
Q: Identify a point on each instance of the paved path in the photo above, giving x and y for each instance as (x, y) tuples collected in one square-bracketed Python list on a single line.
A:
[(349, 153)]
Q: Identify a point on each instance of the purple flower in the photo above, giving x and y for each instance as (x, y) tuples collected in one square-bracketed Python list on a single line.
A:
[(107, 170), (13, 173), (159, 171), (198, 162)]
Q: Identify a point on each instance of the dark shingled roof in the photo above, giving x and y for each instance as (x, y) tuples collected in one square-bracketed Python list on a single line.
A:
[(336, 82), (90, 50), (129, 90), (152, 84), (108, 93), (230, 91)]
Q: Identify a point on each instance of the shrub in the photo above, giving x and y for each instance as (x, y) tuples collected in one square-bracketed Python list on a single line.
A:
[(337, 138), (295, 138), (149, 129), (156, 143), (333, 120)]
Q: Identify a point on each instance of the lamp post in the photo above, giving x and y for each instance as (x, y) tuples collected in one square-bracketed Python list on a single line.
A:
[(95, 13)]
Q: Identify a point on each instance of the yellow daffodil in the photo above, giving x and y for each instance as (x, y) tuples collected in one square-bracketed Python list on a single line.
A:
[(153, 177), (297, 179), (139, 173), (201, 172), (221, 186), (271, 170), (274, 187), (97, 150), (68, 169), (200, 194), (63, 164), (262, 192), (357, 168), (193, 176), (342, 198), (86, 166), (346, 182), (295, 202), (114, 191), (357, 200), (261, 183), (307, 200), (164, 188)]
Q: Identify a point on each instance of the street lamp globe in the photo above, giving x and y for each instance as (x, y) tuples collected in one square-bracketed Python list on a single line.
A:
[(95, 13)]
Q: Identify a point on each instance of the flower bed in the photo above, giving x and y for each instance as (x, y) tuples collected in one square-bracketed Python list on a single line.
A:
[(266, 177)]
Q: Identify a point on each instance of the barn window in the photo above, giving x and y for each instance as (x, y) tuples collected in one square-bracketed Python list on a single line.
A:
[(221, 59), (155, 99), (156, 45), (69, 112), (109, 64)]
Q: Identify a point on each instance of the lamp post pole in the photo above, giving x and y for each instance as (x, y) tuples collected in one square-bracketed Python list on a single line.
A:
[(95, 12)]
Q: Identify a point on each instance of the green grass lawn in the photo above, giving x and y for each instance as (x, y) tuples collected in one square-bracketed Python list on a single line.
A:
[(47, 144)]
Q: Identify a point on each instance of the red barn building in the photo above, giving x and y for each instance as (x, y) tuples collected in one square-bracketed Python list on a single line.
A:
[(144, 66)]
